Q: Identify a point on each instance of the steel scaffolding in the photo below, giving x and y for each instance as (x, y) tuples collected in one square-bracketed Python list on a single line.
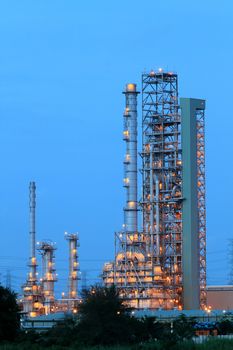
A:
[(162, 185), (201, 202)]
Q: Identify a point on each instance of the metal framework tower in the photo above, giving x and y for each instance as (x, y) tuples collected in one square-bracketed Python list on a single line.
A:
[(47, 249), (162, 185), (164, 266), (72, 239)]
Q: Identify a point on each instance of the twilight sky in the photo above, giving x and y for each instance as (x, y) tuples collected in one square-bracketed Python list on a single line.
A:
[(63, 66)]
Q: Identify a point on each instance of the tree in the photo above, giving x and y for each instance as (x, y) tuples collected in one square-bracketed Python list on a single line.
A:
[(104, 319), (225, 327), (9, 316), (184, 327)]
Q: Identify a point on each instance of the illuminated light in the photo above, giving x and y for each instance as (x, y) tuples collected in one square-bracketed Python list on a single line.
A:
[(126, 133), (37, 305), (33, 260), (160, 70), (131, 204), (152, 73), (75, 311), (130, 87), (33, 314), (126, 180), (127, 157)]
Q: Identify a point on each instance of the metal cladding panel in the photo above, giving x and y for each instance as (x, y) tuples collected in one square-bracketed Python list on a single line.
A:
[(190, 251)]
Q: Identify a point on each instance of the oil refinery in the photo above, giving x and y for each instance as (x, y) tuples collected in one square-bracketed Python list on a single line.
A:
[(162, 265), (38, 295), (160, 254)]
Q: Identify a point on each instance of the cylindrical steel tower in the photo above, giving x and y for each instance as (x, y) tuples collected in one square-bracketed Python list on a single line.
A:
[(72, 238), (49, 276), (130, 161), (32, 231)]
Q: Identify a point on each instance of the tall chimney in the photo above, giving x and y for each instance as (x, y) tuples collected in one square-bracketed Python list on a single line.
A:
[(130, 161), (32, 230)]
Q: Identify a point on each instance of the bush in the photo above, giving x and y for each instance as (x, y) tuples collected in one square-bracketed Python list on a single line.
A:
[(9, 315)]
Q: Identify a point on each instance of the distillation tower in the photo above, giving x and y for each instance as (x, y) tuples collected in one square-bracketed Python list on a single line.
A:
[(72, 239), (31, 289), (49, 276), (163, 265)]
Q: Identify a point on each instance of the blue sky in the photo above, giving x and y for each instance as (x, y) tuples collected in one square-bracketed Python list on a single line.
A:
[(63, 65)]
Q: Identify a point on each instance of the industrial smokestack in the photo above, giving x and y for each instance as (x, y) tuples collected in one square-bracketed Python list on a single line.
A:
[(130, 161), (32, 229)]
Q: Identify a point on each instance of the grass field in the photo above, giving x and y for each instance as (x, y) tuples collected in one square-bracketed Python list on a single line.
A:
[(213, 344)]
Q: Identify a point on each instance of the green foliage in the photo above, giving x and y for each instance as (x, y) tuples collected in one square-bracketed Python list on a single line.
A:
[(9, 317), (213, 344), (225, 327), (105, 320), (216, 344), (64, 334), (183, 327)]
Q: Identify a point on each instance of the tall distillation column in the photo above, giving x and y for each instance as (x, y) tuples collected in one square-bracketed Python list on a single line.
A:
[(129, 271), (130, 161), (31, 293), (32, 233), (72, 239), (46, 249)]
